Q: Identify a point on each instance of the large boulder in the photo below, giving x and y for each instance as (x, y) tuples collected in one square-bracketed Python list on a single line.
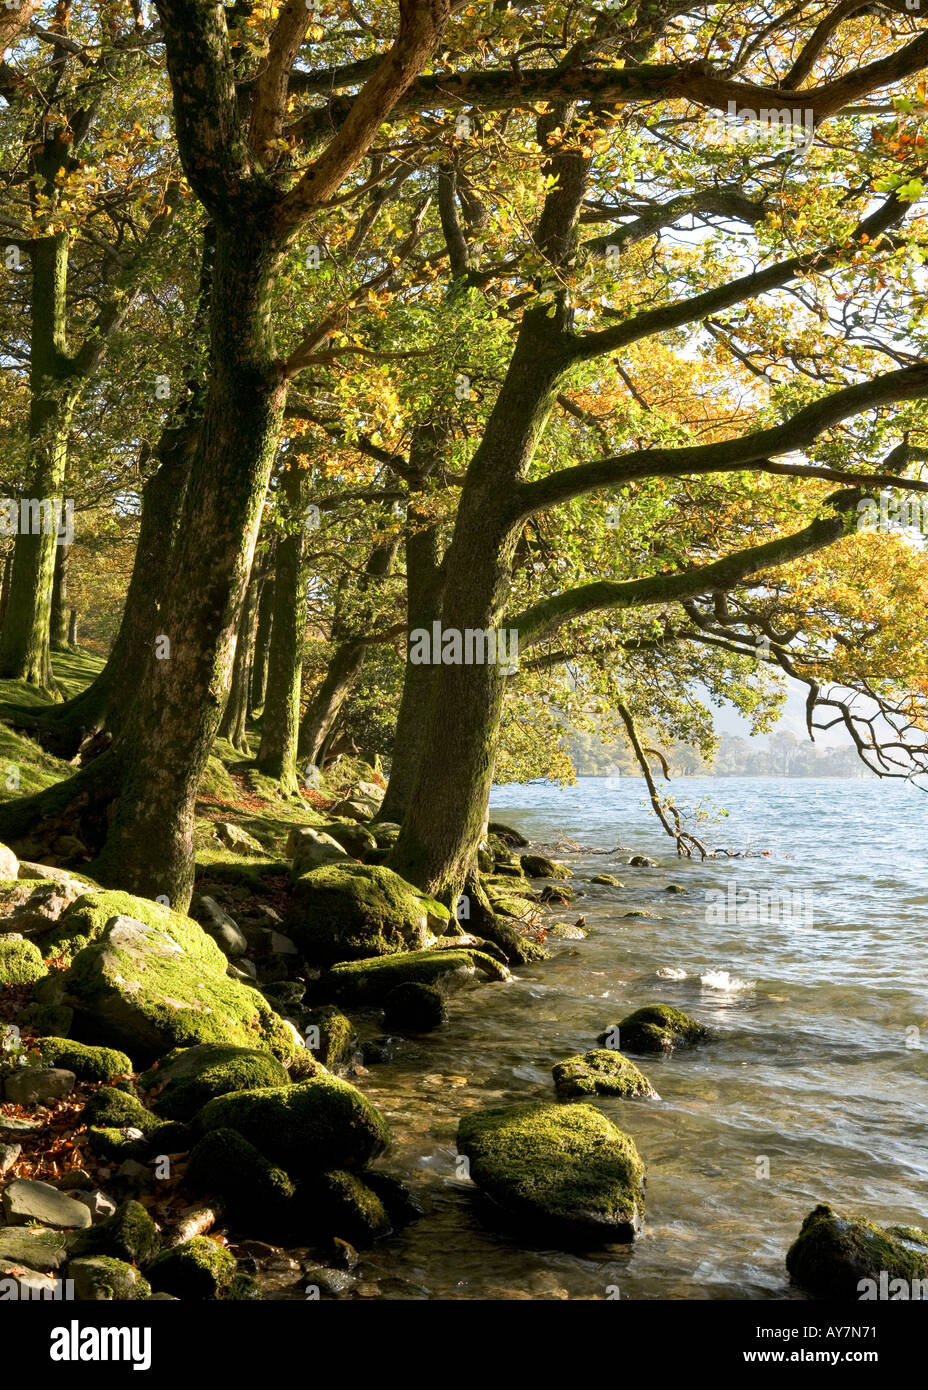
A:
[(308, 1128), (348, 911), (655, 1028), (847, 1257), (568, 1172), (26, 1201), (602, 1072), (98, 1278), (147, 986), (540, 866), (258, 1196), (87, 1063), (197, 1270), (370, 981), (313, 849), (181, 1083), (353, 837)]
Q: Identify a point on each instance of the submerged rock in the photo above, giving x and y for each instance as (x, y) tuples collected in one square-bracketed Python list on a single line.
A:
[(183, 1081), (306, 1128), (602, 1072), (414, 1008), (851, 1258), (370, 981), (350, 911), (641, 861), (608, 881), (567, 1171), (655, 1028)]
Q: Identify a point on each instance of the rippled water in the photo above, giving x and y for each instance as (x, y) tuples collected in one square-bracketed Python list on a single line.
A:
[(813, 1068)]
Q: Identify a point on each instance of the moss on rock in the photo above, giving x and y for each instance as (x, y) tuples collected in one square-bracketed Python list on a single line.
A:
[(370, 981), (602, 1072), (183, 1081), (130, 1234), (414, 1008), (21, 962), (336, 1036), (87, 1063), (198, 1270), (657, 1028), (101, 1277), (307, 1128), (117, 1109), (351, 911), (340, 1204), (833, 1255), (257, 1194), (566, 1171)]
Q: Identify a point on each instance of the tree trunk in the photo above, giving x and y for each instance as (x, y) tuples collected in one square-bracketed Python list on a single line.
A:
[(5, 587), (72, 629), (281, 718), (58, 624), (262, 651), (235, 714), (24, 642)]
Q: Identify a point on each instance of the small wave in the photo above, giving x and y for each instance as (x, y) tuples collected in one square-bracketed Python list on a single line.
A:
[(722, 981)]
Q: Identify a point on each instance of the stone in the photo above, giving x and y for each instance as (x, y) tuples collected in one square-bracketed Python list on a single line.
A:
[(370, 981), (130, 1234), (36, 1247), (30, 906), (341, 1204), (9, 864), (353, 837), (655, 1028), (602, 1072), (311, 849), (21, 961), (608, 881), (181, 1083), (97, 1203), (224, 930), (87, 1063), (507, 834), (197, 1270), (28, 1283), (281, 945), (674, 888), (25, 1200), (357, 810), (641, 861), (566, 931), (414, 1008), (850, 1258), (538, 866), (12, 1127), (257, 1195), (233, 837), (308, 1128), (336, 1036), (149, 984), (350, 911), (9, 1153), (100, 1277), (36, 1085), (566, 1171)]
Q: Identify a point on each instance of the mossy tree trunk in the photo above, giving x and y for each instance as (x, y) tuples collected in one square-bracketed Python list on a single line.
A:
[(281, 718), (235, 714), (58, 625), (263, 629)]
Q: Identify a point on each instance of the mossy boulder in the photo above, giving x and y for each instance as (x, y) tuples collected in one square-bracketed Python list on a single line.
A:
[(101, 1277), (506, 834), (88, 916), (567, 1172), (340, 1204), (370, 981), (257, 1195), (183, 1081), (833, 1255), (608, 881), (414, 1008), (21, 962), (87, 1063), (32, 906), (147, 987), (117, 1109), (330, 1036), (197, 1270), (656, 1028), (602, 1072), (353, 837), (130, 1234), (307, 1128), (540, 866), (310, 849), (351, 911)]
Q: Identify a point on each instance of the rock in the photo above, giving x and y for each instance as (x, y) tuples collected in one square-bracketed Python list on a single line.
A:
[(507, 834), (36, 1247), (334, 1042), (833, 1255), (197, 1270), (183, 1081), (313, 849), (236, 839), (87, 1063), (25, 1200), (608, 880), (11, 1127), (370, 981), (30, 906), (561, 895), (367, 791), (55, 1020), (538, 866), (567, 1171), (602, 1072), (308, 1128), (9, 1153), (334, 1282), (355, 808), (641, 861), (21, 961), (386, 833), (9, 864), (36, 1085), (149, 986), (353, 837), (224, 930), (641, 913), (655, 1028), (674, 888), (27, 1283), (402, 1207), (130, 1234), (97, 1203), (99, 1277), (351, 911), (414, 1008), (566, 931), (281, 945), (117, 1109), (341, 1204), (258, 1195)]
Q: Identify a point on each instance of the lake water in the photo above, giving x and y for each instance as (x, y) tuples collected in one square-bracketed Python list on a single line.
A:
[(819, 1072)]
